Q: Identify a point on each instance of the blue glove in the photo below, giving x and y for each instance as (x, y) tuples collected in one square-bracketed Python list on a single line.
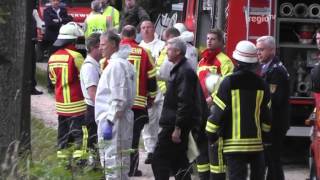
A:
[(107, 130)]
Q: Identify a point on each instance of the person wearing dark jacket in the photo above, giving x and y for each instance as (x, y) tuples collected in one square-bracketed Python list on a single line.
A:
[(241, 116), (277, 77), (133, 14), (178, 117), (54, 17)]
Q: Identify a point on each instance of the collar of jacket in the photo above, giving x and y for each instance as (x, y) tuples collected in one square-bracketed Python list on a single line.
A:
[(274, 61), (128, 41), (176, 66), (209, 54), (71, 47)]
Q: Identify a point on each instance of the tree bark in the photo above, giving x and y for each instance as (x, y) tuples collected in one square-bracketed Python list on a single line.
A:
[(15, 47)]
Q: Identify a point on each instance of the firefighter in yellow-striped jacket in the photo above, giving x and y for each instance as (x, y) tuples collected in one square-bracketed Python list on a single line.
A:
[(210, 163), (146, 90), (241, 116), (64, 68)]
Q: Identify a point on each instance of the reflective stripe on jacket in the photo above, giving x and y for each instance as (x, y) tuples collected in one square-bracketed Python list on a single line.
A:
[(64, 69)]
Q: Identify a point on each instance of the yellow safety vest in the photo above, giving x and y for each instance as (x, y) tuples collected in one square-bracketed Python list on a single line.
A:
[(96, 23), (113, 15)]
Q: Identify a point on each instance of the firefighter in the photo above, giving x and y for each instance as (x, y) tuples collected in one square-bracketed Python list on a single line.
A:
[(89, 77), (213, 61), (114, 99), (64, 68), (150, 130), (241, 115), (277, 77), (112, 14), (95, 22), (146, 90)]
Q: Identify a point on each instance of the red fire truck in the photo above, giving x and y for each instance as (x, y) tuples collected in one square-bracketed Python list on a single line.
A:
[(78, 9), (291, 22)]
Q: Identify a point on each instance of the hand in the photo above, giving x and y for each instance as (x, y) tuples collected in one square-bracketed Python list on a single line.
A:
[(150, 102), (107, 130), (209, 101), (55, 20), (176, 135)]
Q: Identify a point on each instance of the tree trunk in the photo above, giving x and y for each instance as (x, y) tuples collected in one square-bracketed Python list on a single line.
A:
[(15, 47)]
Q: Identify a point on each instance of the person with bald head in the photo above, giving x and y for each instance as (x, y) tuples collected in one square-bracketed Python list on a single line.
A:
[(150, 130), (146, 90)]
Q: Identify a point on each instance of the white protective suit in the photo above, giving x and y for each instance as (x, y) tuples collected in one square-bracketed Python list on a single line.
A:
[(191, 55), (114, 99), (150, 130)]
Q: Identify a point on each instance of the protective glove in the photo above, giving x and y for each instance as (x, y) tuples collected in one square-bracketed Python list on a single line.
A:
[(107, 129)]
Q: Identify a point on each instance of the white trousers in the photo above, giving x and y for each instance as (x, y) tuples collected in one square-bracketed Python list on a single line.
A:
[(114, 155), (150, 130)]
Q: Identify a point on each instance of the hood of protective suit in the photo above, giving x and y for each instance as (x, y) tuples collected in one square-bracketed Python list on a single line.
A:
[(187, 36), (123, 52)]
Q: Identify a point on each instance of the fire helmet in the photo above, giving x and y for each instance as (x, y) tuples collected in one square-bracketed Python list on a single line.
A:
[(181, 27), (245, 52), (67, 32)]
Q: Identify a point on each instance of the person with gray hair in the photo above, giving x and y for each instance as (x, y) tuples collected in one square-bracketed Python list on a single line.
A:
[(95, 22), (114, 99), (277, 77), (179, 115), (89, 78)]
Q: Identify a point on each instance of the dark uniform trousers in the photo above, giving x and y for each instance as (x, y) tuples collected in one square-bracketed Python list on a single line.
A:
[(70, 132), (210, 163), (92, 128), (170, 157), (237, 165), (272, 154), (140, 119)]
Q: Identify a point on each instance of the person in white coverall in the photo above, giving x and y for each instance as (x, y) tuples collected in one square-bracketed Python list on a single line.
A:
[(114, 100), (150, 130)]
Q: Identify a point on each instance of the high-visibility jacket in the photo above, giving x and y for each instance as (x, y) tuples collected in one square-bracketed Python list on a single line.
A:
[(95, 23), (145, 73), (241, 115), (161, 83), (215, 62), (64, 70), (113, 14)]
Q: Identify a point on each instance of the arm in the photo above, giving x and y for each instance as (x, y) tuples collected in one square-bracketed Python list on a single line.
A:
[(265, 115), (65, 18), (220, 106), (151, 74), (50, 20), (186, 84)]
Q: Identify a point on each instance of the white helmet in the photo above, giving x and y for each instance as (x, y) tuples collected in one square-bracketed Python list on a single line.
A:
[(212, 82), (69, 31), (187, 36), (245, 52), (180, 26)]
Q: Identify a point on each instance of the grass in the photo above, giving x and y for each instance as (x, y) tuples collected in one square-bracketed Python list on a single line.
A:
[(44, 164)]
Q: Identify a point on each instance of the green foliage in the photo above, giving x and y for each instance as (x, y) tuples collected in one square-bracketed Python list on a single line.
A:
[(46, 165), (3, 15)]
